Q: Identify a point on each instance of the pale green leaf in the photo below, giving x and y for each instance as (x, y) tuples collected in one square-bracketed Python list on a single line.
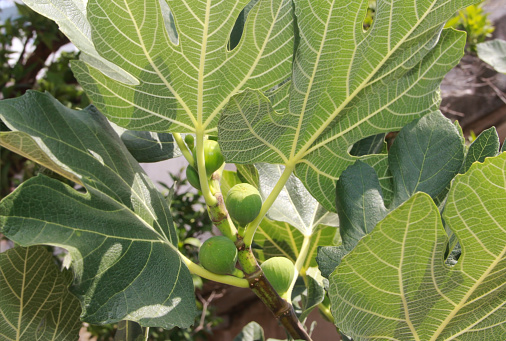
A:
[(294, 204), (119, 233), (251, 332), (279, 239), (70, 15), (405, 291), (493, 52), (346, 85), (35, 303), (185, 85)]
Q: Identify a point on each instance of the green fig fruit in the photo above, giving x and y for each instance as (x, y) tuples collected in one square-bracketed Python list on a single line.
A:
[(190, 141), (243, 203), (280, 272), (193, 177), (218, 254), (212, 156)]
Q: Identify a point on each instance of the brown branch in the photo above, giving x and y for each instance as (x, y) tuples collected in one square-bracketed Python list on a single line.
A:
[(259, 284)]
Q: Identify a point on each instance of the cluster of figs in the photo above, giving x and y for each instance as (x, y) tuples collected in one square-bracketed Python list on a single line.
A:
[(218, 254)]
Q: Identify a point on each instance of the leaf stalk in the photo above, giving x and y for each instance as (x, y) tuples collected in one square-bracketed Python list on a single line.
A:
[(252, 227), (225, 279)]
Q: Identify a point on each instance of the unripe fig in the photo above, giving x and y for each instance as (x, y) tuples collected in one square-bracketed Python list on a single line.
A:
[(193, 177), (280, 272), (212, 156), (243, 203), (190, 141), (218, 254)]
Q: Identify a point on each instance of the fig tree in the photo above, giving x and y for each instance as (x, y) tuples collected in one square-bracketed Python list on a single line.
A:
[(243, 203), (280, 272), (212, 156), (218, 254)]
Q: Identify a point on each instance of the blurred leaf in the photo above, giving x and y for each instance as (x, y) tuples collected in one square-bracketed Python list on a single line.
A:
[(315, 292), (129, 331), (251, 332)]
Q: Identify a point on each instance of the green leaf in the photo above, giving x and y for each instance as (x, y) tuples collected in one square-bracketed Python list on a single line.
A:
[(329, 257), (315, 292), (359, 203), (294, 204), (396, 279), (486, 145), (493, 52), (183, 86), (346, 85), (72, 21), (147, 146), (251, 332), (129, 331), (370, 145), (119, 233), (425, 157), (280, 239), (35, 303)]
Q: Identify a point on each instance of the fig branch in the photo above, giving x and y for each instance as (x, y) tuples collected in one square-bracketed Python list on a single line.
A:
[(259, 284)]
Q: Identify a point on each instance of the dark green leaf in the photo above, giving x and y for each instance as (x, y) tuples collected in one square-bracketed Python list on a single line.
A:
[(425, 157), (129, 331), (315, 292), (359, 203), (146, 146), (370, 145), (35, 303), (328, 258), (486, 145), (119, 233)]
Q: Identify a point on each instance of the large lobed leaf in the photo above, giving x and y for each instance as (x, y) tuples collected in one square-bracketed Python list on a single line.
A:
[(346, 84), (425, 157), (406, 292), (119, 233), (183, 84), (35, 303)]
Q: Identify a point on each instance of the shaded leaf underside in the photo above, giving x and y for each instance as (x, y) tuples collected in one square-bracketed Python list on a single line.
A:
[(119, 233)]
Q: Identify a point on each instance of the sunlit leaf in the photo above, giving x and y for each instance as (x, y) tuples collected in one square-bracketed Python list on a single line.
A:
[(183, 85), (406, 292), (346, 85)]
